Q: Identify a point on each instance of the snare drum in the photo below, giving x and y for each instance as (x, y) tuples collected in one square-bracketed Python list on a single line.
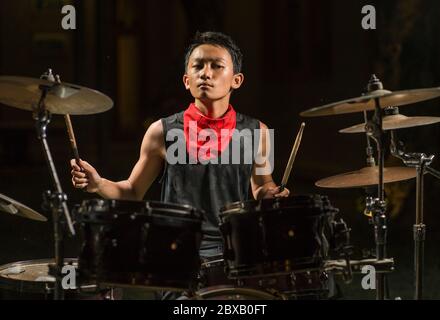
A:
[(30, 280), (135, 243), (275, 236)]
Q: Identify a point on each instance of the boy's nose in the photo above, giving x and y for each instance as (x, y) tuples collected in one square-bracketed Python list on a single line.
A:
[(206, 73)]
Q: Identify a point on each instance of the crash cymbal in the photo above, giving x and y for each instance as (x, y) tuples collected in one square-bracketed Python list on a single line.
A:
[(8, 205), (367, 176), (395, 121), (24, 93), (367, 102)]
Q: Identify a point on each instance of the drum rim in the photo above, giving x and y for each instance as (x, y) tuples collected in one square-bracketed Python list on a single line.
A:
[(240, 206), (225, 289), (183, 210)]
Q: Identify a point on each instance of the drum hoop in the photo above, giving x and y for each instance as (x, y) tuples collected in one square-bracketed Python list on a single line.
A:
[(302, 201), (100, 206), (222, 290)]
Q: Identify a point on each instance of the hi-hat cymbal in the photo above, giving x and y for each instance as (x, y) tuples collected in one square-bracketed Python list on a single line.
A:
[(24, 93), (395, 121), (367, 176), (8, 205), (367, 102)]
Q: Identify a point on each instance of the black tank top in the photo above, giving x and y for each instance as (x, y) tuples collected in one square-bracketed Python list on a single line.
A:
[(210, 186)]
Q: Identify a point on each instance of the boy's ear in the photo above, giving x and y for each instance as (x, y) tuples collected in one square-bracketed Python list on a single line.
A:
[(186, 81), (237, 80)]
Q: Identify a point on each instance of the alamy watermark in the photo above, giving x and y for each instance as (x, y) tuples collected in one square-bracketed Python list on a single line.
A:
[(369, 20), (69, 280), (246, 147), (369, 280), (69, 20)]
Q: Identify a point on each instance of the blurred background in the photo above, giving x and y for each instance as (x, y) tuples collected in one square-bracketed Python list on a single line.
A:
[(298, 54)]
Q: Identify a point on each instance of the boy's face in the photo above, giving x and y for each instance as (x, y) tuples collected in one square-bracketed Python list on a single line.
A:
[(210, 73)]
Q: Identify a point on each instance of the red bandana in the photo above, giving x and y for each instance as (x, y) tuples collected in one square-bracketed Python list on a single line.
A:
[(208, 144)]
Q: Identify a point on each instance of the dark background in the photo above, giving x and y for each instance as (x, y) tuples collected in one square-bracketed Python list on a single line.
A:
[(298, 55)]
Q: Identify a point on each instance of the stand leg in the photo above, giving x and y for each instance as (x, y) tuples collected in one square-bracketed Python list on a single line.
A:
[(380, 233), (55, 201), (419, 246), (419, 234)]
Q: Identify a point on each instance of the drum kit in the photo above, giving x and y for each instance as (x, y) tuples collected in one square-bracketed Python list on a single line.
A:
[(281, 248)]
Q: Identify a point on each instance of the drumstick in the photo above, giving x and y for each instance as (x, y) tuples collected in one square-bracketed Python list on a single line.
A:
[(73, 142), (292, 157), (72, 138)]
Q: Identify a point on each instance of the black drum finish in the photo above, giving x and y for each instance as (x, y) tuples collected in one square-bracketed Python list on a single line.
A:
[(135, 243), (276, 236)]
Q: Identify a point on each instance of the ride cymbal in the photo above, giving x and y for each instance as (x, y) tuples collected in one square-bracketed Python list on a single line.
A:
[(24, 93), (367, 176)]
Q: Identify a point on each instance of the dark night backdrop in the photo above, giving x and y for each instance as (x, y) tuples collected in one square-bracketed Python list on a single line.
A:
[(298, 55)]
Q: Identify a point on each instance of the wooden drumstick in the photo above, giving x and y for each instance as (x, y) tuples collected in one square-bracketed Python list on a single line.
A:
[(292, 157), (72, 138), (73, 142)]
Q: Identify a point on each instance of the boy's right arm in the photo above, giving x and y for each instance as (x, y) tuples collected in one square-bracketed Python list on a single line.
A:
[(144, 173)]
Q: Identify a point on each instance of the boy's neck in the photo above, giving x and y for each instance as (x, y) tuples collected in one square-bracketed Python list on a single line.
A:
[(212, 109)]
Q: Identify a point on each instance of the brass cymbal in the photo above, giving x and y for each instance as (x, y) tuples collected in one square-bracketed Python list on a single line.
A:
[(367, 176), (395, 121), (367, 102), (24, 93), (8, 205)]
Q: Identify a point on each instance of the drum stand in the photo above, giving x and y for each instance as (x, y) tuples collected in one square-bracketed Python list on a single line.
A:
[(56, 201), (421, 162), (378, 206)]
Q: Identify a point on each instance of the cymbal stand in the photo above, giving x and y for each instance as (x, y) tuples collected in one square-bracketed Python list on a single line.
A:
[(369, 150), (421, 162), (378, 205), (56, 201)]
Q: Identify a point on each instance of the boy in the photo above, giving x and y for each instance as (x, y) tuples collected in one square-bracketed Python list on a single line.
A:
[(212, 72)]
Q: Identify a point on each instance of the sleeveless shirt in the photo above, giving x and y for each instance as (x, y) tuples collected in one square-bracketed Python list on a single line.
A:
[(209, 186)]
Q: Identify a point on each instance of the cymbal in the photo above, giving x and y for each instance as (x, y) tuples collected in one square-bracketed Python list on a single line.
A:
[(395, 121), (24, 93), (367, 101), (367, 176), (8, 205)]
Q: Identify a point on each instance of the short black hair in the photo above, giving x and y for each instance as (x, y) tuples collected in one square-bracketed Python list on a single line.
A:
[(216, 39)]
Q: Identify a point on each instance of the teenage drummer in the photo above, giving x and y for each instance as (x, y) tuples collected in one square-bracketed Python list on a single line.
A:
[(194, 149)]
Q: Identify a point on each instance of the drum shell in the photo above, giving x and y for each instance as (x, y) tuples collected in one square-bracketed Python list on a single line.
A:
[(139, 243), (275, 236)]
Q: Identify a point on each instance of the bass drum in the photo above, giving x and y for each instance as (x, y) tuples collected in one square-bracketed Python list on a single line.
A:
[(30, 280), (232, 293)]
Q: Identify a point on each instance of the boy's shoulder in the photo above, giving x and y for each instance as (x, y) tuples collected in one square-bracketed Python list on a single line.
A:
[(247, 119), (176, 117)]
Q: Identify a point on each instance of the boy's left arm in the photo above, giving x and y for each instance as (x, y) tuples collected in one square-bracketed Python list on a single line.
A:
[(263, 186)]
